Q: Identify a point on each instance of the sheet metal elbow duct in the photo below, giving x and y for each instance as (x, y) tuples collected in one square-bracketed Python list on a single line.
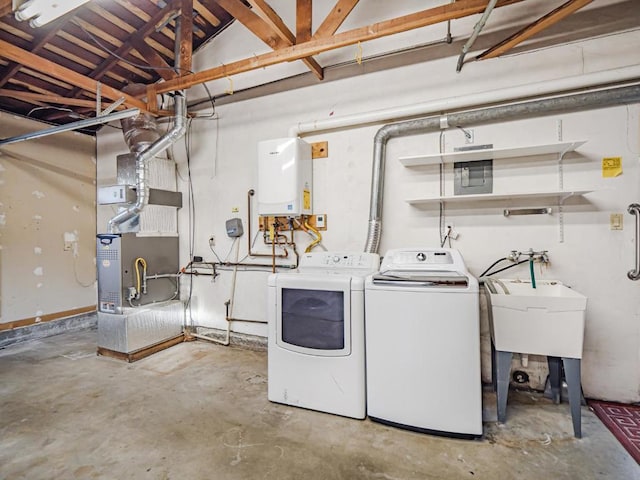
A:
[(142, 163), (546, 106)]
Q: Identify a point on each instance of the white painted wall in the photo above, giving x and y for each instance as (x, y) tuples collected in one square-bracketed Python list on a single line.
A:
[(47, 190), (592, 259)]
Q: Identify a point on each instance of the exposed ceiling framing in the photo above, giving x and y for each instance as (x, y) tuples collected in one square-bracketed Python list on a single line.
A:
[(63, 70)]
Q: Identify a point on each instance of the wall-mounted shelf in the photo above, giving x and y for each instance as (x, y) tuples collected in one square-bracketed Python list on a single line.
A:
[(491, 153), (559, 195)]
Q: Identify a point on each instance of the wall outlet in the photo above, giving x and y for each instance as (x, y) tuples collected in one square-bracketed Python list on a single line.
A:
[(321, 221), (70, 240), (212, 240)]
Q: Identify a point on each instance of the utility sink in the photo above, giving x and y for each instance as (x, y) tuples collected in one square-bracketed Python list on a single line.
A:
[(547, 320)]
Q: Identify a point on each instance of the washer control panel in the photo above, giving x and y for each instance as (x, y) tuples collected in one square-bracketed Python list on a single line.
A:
[(423, 259)]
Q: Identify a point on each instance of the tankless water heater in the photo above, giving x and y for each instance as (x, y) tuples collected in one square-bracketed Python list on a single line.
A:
[(284, 177)]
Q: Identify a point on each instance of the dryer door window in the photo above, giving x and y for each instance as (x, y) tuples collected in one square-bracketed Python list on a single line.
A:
[(313, 319)]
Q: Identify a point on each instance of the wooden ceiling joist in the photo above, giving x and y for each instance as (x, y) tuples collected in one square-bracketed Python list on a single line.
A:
[(39, 97), (276, 38), (154, 58), (125, 48), (336, 17), (451, 11), (54, 70), (44, 37), (304, 14), (546, 21), (186, 35), (6, 7), (280, 28)]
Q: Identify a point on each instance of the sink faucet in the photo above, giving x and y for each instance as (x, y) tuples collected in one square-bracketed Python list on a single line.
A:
[(541, 256)]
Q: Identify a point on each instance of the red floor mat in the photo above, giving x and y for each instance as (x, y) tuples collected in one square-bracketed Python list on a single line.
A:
[(624, 423)]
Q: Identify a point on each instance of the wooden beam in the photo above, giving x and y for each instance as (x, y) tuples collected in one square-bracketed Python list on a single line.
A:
[(126, 47), (253, 22), (206, 13), (450, 11), (273, 19), (44, 36), (154, 59), (268, 14), (6, 7), (54, 70), (335, 18), (39, 97), (304, 14), (546, 21), (186, 35)]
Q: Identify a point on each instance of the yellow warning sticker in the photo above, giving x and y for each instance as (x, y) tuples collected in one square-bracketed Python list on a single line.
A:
[(306, 200), (611, 167)]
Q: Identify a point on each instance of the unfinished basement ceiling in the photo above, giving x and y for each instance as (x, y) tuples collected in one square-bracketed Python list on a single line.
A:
[(55, 73)]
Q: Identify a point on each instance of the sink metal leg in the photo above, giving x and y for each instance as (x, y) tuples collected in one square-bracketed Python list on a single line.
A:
[(572, 375), (494, 380), (555, 378), (503, 369)]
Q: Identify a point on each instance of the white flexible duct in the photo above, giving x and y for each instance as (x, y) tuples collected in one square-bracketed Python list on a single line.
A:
[(547, 87), (142, 163)]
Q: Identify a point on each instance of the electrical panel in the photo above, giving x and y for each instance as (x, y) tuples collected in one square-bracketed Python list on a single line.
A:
[(284, 177)]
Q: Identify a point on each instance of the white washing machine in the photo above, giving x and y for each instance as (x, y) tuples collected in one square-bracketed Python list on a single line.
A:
[(316, 356), (423, 343)]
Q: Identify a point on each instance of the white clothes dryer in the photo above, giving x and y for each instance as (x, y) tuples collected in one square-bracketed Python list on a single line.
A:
[(423, 343), (316, 355)]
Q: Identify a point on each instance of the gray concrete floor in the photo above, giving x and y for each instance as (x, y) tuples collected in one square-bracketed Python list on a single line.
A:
[(200, 411)]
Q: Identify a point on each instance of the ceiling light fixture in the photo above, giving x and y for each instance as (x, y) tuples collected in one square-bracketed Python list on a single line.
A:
[(41, 12)]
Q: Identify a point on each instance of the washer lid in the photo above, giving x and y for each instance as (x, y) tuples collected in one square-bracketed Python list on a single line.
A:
[(433, 278)]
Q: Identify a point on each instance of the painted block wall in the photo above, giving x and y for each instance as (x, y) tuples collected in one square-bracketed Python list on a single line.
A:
[(47, 196), (592, 258)]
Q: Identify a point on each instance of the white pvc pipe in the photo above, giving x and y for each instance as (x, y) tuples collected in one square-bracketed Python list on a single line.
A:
[(546, 87)]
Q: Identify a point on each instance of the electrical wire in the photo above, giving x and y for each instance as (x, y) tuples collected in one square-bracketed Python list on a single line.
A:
[(442, 212), (155, 68), (191, 208), (77, 277)]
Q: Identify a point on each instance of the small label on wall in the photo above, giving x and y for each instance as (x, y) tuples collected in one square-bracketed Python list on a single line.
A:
[(611, 167)]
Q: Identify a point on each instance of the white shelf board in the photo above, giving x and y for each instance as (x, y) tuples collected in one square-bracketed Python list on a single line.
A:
[(493, 196), (491, 153)]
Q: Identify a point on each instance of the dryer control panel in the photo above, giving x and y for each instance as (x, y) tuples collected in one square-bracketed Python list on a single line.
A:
[(367, 262)]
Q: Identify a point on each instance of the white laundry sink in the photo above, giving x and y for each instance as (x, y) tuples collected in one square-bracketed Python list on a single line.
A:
[(547, 320)]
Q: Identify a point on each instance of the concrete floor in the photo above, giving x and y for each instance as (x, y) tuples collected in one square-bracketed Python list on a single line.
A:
[(200, 411)]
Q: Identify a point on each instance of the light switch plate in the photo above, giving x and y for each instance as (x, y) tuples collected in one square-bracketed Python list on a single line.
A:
[(616, 221)]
